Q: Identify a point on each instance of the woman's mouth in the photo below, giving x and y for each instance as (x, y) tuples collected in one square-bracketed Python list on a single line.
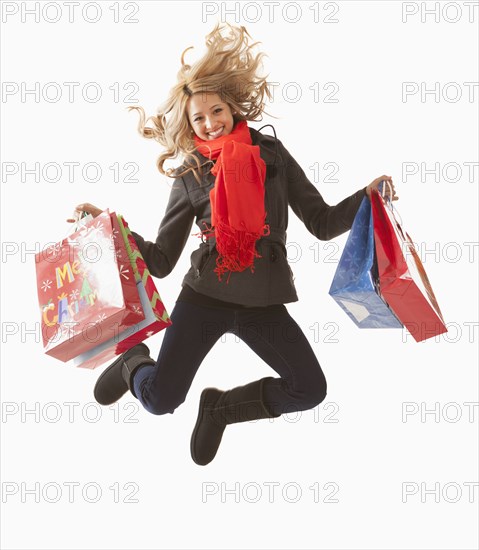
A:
[(216, 133)]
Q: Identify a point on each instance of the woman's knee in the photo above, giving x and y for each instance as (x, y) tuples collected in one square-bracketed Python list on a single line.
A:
[(308, 394), (160, 405), (316, 393)]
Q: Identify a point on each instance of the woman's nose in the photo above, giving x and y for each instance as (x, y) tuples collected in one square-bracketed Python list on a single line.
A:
[(208, 123)]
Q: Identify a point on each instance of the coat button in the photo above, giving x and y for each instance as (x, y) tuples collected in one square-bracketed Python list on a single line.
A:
[(197, 272), (273, 257)]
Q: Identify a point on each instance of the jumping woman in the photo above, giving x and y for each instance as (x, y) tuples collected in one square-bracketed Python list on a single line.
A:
[(236, 185)]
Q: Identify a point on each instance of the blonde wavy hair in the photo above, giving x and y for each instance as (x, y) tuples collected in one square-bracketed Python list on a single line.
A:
[(229, 69)]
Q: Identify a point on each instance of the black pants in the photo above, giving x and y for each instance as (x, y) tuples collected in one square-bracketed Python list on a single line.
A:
[(270, 332)]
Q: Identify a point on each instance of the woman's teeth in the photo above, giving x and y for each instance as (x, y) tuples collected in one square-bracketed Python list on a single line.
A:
[(216, 133)]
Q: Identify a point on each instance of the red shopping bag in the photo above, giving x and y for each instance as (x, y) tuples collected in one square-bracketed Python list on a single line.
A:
[(156, 316), (86, 289), (403, 280)]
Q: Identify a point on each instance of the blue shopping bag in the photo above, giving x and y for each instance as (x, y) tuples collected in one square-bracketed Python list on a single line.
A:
[(355, 285)]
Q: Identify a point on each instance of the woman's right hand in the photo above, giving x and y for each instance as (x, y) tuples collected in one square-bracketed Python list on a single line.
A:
[(85, 207)]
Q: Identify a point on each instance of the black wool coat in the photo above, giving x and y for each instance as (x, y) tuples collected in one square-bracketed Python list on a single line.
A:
[(272, 281)]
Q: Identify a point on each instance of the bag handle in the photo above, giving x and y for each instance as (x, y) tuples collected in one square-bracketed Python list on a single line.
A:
[(388, 201), (81, 219)]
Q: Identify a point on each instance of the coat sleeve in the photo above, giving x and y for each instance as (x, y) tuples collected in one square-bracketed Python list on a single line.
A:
[(175, 227), (325, 222)]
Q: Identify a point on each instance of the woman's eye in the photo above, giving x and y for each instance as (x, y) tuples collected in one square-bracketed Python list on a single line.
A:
[(216, 111)]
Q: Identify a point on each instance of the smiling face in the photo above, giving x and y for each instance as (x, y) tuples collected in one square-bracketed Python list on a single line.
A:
[(209, 116)]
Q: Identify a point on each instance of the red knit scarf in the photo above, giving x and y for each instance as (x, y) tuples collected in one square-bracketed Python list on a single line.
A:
[(237, 199)]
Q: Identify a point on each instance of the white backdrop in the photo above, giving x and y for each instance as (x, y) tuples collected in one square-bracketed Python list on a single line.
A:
[(389, 459)]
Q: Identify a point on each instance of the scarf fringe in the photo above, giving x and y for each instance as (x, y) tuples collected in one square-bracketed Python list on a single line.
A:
[(236, 248)]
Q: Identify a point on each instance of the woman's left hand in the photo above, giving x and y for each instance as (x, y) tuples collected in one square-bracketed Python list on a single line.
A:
[(388, 189)]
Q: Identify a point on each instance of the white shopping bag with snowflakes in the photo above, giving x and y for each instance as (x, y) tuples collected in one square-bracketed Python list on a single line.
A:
[(86, 287), (156, 316)]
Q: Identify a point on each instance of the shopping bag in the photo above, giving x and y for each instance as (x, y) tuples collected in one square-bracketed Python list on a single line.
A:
[(156, 316), (355, 285), (403, 279), (86, 289), (142, 274)]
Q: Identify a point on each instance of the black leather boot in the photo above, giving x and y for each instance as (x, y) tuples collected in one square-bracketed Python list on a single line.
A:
[(220, 408), (117, 379)]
